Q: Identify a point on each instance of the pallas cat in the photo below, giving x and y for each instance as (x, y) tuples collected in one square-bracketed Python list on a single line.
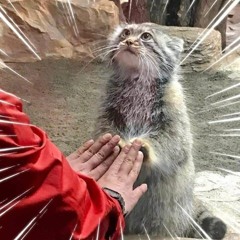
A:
[(144, 99)]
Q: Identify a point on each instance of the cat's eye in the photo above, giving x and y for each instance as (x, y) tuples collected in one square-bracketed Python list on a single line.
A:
[(146, 36), (125, 33)]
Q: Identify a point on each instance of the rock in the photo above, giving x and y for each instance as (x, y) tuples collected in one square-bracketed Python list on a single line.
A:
[(221, 194), (206, 53), (233, 25), (53, 31), (206, 11)]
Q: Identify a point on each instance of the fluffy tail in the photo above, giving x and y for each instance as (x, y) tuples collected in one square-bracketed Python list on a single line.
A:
[(211, 225)]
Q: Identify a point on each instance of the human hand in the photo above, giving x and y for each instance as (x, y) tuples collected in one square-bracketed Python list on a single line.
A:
[(94, 158), (123, 173)]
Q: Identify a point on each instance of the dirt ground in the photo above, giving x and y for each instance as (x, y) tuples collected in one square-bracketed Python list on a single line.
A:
[(64, 100), (65, 96)]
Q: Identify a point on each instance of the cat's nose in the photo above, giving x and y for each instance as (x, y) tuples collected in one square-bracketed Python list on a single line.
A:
[(129, 42)]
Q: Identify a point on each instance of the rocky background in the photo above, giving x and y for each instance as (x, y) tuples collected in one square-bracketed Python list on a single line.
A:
[(60, 29)]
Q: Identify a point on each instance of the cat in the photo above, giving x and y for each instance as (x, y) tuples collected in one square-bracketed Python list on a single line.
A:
[(145, 100)]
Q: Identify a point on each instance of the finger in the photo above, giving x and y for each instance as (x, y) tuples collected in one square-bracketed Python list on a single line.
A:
[(114, 168), (129, 160), (80, 150), (103, 153), (137, 193), (136, 167), (100, 170), (98, 144)]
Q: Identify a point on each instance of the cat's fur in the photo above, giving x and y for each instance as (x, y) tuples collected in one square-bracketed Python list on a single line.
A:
[(145, 100)]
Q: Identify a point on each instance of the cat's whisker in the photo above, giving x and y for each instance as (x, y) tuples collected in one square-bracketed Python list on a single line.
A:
[(3, 53), (164, 9), (194, 222), (103, 48), (73, 18), (231, 44), (7, 103), (210, 8), (236, 119), (229, 171), (168, 232), (14, 8), (18, 28), (121, 232), (13, 71), (65, 13), (33, 222), (214, 108), (199, 234), (224, 90), (99, 55), (115, 55), (13, 122), (210, 24), (12, 203), (10, 25), (154, 64), (232, 130), (191, 5), (2, 150), (7, 117), (74, 229), (225, 135), (7, 168), (146, 233), (230, 114), (226, 155), (13, 175), (235, 60), (205, 35), (130, 9), (227, 99), (98, 229), (6, 154), (223, 57)]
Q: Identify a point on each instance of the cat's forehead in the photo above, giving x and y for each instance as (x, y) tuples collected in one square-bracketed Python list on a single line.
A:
[(135, 29), (138, 28)]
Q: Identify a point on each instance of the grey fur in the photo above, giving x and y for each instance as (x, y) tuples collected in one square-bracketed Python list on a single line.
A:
[(145, 100)]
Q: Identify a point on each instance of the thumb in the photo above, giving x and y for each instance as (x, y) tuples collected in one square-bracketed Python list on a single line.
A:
[(139, 191)]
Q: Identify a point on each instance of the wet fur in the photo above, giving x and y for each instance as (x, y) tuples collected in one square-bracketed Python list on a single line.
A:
[(145, 100)]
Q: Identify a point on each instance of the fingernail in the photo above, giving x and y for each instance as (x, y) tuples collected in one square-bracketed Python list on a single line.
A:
[(137, 142), (116, 149), (107, 136), (127, 148), (116, 138), (140, 154), (90, 141)]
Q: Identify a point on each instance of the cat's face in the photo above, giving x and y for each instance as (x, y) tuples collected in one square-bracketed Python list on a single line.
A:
[(143, 48)]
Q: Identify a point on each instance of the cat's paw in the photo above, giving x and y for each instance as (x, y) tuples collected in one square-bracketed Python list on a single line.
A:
[(121, 143), (145, 149)]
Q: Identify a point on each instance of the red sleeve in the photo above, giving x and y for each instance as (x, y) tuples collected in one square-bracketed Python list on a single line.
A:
[(41, 197)]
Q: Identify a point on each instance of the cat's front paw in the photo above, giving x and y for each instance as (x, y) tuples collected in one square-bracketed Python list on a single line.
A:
[(145, 149), (121, 143)]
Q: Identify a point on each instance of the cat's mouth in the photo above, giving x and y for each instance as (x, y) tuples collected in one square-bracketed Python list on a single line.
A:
[(130, 49)]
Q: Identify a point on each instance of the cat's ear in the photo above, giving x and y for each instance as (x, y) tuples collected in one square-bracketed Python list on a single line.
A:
[(177, 46)]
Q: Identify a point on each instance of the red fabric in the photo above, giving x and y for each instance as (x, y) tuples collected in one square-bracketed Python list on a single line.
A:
[(51, 201)]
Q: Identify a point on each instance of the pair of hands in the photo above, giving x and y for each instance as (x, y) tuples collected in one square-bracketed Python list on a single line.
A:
[(111, 168)]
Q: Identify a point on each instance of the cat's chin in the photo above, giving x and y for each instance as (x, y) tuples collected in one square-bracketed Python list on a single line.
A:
[(127, 60)]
